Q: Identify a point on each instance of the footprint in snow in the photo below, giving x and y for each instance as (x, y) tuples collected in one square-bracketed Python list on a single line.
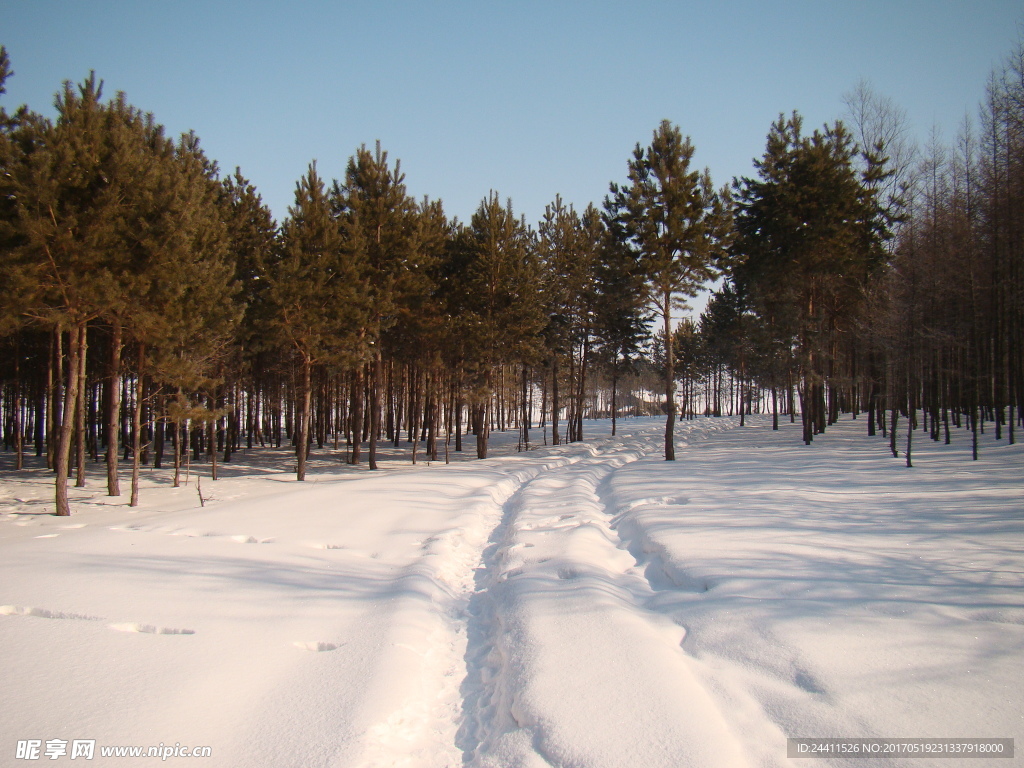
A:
[(149, 629), (657, 501), (521, 545), (806, 682), (315, 645), (188, 533), (243, 539), (43, 613)]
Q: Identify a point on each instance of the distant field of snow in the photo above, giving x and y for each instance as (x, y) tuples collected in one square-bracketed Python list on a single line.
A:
[(584, 606)]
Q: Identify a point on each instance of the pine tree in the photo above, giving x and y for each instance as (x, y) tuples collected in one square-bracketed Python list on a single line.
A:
[(679, 225), (378, 221), (20, 136), (502, 317), (253, 246), (86, 201), (421, 336), (318, 292), (567, 278), (149, 229), (621, 319), (193, 299), (810, 234)]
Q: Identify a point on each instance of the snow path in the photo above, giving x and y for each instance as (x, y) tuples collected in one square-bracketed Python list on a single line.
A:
[(448, 637), (429, 638), (567, 658), (585, 606)]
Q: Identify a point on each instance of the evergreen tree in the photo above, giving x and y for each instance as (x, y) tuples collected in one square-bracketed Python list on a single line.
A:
[(568, 253), (621, 322), (88, 212), (810, 233), (502, 317), (187, 319), (253, 247), (318, 292), (20, 135), (378, 221), (421, 337), (252, 243), (679, 225)]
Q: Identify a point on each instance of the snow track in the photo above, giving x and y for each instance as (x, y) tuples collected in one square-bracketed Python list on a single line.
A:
[(560, 630), (441, 646)]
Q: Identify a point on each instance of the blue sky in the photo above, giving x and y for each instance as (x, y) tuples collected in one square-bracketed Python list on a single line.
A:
[(527, 98)]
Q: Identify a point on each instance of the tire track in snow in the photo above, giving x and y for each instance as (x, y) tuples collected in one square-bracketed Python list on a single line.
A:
[(486, 703), (551, 503), (424, 665), (566, 664)]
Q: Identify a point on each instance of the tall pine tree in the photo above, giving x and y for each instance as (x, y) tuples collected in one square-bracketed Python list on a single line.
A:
[(502, 317), (810, 233), (680, 227), (378, 223), (318, 294)]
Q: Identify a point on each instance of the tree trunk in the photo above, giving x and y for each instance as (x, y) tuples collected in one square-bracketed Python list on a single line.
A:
[(615, 381), (526, 411), (582, 391), (67, 423), (892, 430), (211, 431), (554, 401), (19, 444), (482, 429), (743, 388), (140, 392), (356, 424), (80, 412), (670, 385), (433, 411), (415, 411), (302, 447), (399, 407), (481, 420), (375, 386), (177, 454), (55, 382), (160, 430), (872, 400), (459, 405), (910, 438), (230, 427), (974, 431)]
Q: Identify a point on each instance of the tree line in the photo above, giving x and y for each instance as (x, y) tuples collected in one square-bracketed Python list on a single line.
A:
[(874, 277), (152, 307)]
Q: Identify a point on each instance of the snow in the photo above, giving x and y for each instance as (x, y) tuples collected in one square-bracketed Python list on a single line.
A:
[(586, 605)]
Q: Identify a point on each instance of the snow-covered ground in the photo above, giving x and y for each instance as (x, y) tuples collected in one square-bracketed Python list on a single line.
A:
[(589, 605)]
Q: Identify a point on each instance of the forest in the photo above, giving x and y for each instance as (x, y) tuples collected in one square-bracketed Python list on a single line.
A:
[(153, 312)]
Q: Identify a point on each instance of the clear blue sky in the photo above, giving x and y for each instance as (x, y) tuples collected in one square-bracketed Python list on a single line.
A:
[(527, 98)]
